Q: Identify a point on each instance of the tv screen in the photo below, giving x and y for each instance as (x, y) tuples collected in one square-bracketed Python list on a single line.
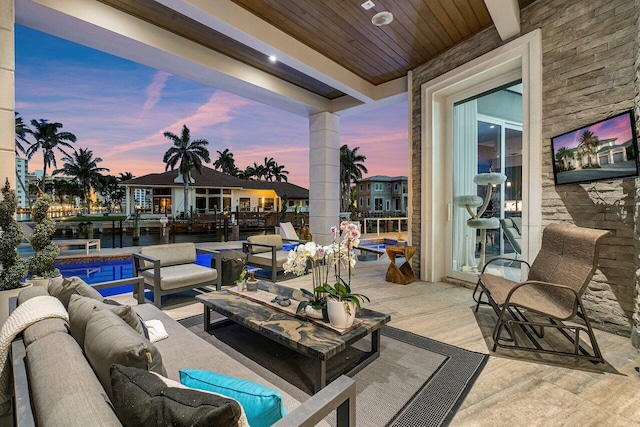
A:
[(607, 149)]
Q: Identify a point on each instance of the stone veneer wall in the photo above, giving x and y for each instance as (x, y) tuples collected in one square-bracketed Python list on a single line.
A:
[(590, 71)]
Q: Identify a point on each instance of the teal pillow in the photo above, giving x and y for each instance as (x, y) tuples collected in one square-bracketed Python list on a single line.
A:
[(262, 405)]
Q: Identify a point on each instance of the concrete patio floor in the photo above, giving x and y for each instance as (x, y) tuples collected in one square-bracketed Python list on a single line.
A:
[(508, 391)]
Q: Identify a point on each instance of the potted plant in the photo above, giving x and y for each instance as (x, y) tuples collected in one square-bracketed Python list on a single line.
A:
[(41, 263), (342, 304), (240, 281), (14, 267), (315, 306)]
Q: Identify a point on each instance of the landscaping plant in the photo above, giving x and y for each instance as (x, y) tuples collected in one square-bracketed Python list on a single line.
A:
[(41, 263), (14, 267)]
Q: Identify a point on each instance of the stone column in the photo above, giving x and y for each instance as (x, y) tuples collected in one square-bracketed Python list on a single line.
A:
[(7, 93), (324, 175)]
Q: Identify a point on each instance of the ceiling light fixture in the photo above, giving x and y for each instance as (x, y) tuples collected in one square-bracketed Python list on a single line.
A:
[(382, 18), (273, 58), (367, 5)]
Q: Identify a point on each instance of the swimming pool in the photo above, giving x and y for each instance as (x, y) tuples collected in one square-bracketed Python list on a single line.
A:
[(113, 269)]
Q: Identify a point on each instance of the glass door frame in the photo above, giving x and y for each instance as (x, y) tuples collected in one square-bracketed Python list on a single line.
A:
[(504, 125), (450, 101)]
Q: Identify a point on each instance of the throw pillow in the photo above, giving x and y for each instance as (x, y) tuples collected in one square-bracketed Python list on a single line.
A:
[(80, 309), (69, 286), (262, 405), (145, 330), (141, 398), (109, 340)]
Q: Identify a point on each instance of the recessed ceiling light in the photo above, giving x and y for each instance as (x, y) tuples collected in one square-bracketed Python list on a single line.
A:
[(367, 5), (273, 58), (382, 18)]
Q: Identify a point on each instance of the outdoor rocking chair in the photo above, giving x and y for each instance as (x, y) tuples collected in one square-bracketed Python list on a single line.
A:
[(553, 291)]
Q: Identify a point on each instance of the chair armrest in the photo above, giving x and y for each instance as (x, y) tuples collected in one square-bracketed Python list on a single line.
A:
[(339, 396), (137, 282), (505, 259), (294, 240), (245, 246), (137, 257)]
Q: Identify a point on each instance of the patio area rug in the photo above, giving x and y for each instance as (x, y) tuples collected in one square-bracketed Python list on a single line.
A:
[(416, 381)]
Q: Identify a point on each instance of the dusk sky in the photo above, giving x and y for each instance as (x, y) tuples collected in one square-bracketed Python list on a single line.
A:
[(617, 127), (119, 109)]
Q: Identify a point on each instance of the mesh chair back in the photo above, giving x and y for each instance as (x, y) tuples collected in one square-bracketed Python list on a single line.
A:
[(569, 256)]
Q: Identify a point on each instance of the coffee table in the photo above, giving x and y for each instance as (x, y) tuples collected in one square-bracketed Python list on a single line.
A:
[(316, 342)]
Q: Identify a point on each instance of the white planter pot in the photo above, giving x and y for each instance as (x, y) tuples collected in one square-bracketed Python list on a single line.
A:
[(39, 281), (314, 313), (338, 316)]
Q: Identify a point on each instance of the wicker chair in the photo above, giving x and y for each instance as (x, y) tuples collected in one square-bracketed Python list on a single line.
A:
[(557, 279)]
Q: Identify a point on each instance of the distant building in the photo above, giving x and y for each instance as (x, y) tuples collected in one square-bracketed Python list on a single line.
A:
[(22, 167), (380, 194), (607, 153), (210, 192)]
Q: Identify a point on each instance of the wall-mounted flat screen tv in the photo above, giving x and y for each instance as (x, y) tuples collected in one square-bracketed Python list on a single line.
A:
[(607, 149)]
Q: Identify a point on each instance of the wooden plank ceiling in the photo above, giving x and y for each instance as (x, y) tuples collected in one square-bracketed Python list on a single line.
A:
[(340, 30)]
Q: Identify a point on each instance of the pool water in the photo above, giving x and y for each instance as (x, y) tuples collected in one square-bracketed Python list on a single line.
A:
[(105, 271)]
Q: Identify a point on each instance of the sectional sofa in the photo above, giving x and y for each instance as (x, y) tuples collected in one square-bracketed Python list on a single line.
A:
[(57, 384)]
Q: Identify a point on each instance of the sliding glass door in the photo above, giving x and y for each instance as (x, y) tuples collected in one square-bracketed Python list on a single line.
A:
[(487, 138)]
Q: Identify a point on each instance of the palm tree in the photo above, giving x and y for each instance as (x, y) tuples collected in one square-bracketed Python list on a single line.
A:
[(190, 155), (47, 138), (351, 170), (279, 173), (226, 163), (83, 168), (267, 168), (563, 153), (248, 173), (107, 186), (21, 132), (125, 176), (588, 143)]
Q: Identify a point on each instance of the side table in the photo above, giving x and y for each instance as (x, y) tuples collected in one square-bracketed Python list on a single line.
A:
[(403, 275)]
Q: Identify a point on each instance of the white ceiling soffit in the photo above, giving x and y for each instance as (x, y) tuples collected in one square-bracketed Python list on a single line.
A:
[(506, 17), (101, 27)]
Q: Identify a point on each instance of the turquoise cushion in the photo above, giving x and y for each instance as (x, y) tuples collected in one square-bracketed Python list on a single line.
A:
[(262, 405)]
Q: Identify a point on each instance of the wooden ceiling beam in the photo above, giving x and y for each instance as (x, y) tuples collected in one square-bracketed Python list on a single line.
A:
[(506, 17)]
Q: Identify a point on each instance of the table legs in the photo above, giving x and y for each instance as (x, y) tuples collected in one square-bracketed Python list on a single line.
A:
[(320, 371)]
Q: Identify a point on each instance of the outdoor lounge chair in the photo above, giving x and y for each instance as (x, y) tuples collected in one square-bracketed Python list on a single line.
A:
[(289, 233), (553, 291), (87, 243), (511, 230)]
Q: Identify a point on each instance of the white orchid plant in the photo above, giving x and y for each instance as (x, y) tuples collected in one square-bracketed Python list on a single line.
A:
[(322, 260)]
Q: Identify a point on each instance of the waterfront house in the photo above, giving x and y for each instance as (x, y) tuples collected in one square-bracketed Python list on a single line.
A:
[(382, 194), (210, 192)]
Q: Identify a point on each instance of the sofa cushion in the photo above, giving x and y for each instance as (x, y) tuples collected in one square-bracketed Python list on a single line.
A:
[(262, 405), (44, 328), (180, 276), (171, 254), (109, 340), (72, 285), (81, 308), (31, 292), (64, 389), (264, 239), (145, 399)]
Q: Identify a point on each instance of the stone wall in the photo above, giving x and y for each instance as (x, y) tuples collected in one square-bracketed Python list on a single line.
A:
[(589, 73)]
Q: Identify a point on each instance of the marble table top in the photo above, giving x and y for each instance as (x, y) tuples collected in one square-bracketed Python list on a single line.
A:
[(295, 333)]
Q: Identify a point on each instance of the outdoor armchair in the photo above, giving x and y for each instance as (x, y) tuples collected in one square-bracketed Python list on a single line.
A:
[(553, 292)]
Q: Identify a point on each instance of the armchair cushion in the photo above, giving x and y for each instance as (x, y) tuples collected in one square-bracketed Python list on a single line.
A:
[(264, 259), (274, 240), (170, 254), (180, 276)]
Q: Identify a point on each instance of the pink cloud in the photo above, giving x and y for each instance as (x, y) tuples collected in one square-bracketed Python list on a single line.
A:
[(154, 90)]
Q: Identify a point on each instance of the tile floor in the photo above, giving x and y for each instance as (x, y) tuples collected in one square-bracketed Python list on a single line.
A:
[(508, 391)]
